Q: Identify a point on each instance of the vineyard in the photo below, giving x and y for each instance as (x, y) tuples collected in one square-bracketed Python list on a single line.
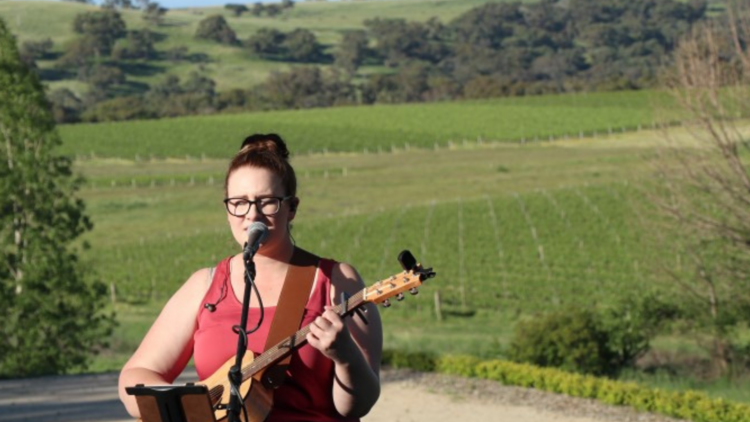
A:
[(527, 252), (375, 129)]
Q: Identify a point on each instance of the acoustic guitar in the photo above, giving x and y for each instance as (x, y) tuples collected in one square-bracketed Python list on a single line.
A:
[(257, 394)]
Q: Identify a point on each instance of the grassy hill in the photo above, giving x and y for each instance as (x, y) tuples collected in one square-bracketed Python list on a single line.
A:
[(231, 67)]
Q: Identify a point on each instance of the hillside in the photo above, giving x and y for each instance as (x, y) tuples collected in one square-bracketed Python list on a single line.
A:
[(230, 67)]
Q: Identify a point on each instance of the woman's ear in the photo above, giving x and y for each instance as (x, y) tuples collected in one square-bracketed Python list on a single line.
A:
[(293, 204)]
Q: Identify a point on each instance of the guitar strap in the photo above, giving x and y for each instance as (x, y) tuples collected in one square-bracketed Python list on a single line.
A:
[(291, 305)]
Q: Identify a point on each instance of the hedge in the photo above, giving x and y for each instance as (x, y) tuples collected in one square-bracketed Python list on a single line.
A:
[(691, 405)]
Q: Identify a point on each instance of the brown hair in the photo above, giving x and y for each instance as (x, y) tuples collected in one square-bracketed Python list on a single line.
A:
[(268, 152)]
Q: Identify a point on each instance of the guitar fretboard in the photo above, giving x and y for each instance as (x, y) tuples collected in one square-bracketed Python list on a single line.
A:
[(281, 349)]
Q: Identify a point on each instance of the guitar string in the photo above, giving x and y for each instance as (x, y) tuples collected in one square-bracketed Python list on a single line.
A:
[(278, 350)]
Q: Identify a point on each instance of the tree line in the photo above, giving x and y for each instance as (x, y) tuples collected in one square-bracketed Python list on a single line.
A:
[(493, 50)]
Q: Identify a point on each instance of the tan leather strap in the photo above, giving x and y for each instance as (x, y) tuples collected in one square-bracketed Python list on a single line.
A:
[(291, 305)]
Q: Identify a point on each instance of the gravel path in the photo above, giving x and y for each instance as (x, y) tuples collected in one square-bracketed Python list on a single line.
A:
[(406, 397)]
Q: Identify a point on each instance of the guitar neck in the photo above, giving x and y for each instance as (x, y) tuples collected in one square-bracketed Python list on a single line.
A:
[(286, 346)]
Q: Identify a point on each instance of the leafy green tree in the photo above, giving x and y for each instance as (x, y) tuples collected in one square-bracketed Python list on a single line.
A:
[(216, 28), (78, 53), (52, 310), (237, 9), (272, 10), (352, 50), (100, 29), (399, 41), (267, 42), (301, 45), (137, 45), (287, 4), (35, 50), (257, 9)]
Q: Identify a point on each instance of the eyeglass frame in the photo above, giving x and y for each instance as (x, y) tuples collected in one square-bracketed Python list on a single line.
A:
[(281, 199)]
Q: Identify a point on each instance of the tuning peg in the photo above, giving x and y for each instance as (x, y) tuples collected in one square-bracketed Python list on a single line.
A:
[(386, 303), (413, 290), (400, 297)]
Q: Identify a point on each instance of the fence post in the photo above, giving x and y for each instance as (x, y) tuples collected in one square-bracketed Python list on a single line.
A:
[(438, 311)]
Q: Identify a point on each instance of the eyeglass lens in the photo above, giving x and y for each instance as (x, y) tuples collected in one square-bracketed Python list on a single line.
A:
[(265, 206)]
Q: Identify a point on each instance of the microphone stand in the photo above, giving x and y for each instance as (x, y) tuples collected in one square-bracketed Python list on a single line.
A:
[(235, 372)]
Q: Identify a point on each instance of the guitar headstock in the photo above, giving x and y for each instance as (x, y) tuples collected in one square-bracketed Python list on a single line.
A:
[(408, 280)]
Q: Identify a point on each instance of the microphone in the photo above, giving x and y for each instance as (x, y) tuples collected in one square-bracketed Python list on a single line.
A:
[(256, 234)]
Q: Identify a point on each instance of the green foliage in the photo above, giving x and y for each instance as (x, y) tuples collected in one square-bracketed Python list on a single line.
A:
[(101, 29), (300, 45), (237, 9), (216, 28), (688, 405), (51, 308), (137, 45), (120, 108), (352, 50), (417, 361), (594, 340), (572, 339), (34, 50)]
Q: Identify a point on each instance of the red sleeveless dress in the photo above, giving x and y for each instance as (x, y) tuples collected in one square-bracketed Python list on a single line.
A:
[(307, 392)]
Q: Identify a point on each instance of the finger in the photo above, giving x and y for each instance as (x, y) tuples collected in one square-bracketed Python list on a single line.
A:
[(333, 318), (316, 330), (313, 341), (322, 322)]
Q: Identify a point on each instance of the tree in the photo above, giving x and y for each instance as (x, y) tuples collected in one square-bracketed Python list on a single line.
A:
[(35, 50), (102, 77), (301, 45), (237, 9), (137, 45), (52, 309), (352, 50), (122, 4), (66, 106), (217, 29), (266, 42), (153, 13), (704, 185), (257, 9), (287, 4), (273, 10), (100, 29)]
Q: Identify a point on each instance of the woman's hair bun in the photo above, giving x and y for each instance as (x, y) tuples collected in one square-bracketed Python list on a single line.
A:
[(265, 142)]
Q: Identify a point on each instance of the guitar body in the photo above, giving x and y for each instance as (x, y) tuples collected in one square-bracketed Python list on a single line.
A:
[(258, 401)]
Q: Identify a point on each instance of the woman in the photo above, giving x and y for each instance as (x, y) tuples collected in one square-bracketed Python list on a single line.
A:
[(335, 375)]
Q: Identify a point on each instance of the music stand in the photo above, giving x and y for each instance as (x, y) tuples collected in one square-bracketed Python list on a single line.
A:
[(188, 403)]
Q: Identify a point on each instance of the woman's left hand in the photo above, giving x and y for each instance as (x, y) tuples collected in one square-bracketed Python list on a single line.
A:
[(329, 335)]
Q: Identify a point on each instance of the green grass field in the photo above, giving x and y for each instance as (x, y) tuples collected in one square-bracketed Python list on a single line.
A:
[(374, 128)]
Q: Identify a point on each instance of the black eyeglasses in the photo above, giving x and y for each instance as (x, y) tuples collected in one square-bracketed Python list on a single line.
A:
[(239, 207)]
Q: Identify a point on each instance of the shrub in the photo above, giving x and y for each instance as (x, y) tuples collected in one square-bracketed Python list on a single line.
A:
[(571, 339)]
